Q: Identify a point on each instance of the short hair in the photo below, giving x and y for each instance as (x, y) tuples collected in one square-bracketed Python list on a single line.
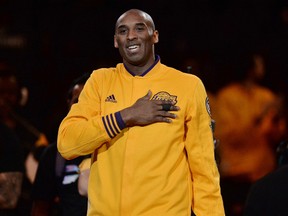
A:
[(147, 17)]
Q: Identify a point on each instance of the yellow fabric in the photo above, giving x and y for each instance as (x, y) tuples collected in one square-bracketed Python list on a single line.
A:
[(159, 169), (241, 119)]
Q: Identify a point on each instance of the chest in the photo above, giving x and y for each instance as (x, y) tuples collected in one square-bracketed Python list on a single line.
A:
[(120, 93)]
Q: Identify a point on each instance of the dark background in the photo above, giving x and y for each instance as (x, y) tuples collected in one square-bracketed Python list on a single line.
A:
[(51, 42)]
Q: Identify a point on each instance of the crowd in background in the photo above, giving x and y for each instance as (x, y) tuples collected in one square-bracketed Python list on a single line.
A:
[(47, 44)]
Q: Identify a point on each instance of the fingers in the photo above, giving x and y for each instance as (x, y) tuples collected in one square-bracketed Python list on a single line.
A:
[(167, 114), (164, 116), (146, 111), (163, 119), (148, 95), (168, 107), (174, 108), (162, 105)]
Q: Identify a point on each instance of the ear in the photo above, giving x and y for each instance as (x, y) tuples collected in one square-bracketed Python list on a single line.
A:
[(115, 42), (23, 97), (155, 36)]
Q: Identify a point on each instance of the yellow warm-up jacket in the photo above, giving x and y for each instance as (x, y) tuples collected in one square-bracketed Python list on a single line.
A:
[(159, 169)]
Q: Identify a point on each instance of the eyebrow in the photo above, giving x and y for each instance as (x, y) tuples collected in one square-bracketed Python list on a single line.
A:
[(137, 24)]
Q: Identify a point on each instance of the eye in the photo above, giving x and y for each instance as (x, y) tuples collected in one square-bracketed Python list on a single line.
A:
[(121, 31), (140, 28)]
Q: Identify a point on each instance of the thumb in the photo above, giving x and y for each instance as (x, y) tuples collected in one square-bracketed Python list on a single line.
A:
[(148, 95)]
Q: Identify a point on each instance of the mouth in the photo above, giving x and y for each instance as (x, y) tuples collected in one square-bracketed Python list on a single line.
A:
[(133, 48)]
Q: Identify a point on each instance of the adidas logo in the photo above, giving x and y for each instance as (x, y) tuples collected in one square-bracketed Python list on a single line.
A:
[(111, 98)]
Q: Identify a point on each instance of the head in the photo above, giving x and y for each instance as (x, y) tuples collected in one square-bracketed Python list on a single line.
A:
[(75, 89), (252, 66), (135, 36), (10, 93)]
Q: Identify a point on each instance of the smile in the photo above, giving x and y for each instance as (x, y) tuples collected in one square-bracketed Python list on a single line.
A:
[(133, 47)]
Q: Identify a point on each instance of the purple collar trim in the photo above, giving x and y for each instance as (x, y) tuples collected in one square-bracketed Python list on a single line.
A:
[(145, 72)]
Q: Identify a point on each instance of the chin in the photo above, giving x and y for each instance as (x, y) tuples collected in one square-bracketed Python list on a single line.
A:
[(134, 60)]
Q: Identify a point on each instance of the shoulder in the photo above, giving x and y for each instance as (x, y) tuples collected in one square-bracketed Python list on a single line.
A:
[(265, 92), (180, 75), (269, 194), (103, 72), (49, 154), (230, 87), (274, 181), (50, 149)]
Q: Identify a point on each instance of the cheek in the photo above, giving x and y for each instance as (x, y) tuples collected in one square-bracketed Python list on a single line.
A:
[(116, 44), (121, 51)]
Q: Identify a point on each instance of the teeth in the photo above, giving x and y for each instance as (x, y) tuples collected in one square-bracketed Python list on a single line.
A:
[(133, 47)]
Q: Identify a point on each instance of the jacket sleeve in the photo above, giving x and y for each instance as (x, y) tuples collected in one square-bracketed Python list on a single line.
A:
[(84, 129), (206, 194)]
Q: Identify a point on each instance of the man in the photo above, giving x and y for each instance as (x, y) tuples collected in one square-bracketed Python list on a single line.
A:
[(11, 152), (146, 159), (267, 195), (17, 138), (56, 184), (250, 125), (11, 170)]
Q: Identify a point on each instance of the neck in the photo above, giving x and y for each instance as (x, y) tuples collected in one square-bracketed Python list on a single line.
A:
[(140, 70), (137, 70)]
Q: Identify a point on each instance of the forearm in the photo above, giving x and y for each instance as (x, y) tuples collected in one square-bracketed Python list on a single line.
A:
[(80, 135), (85, 129), (77, 137), (83, 182), (10, 189)]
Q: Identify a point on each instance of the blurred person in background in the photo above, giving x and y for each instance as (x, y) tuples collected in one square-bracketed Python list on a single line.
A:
[(11, 154), (55, 190), (250, 125), (268, 195), (26, 138), (84, 172)]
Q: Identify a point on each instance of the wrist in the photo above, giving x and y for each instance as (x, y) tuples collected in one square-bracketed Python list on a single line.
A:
[(125, 117), (120, 121)]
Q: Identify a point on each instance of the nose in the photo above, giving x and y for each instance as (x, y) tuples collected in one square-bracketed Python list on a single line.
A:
[(132, 35)]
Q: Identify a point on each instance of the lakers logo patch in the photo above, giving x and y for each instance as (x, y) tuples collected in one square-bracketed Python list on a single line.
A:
[(207, 104), (165, 96)]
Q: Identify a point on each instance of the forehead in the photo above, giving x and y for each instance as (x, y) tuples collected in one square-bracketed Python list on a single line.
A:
[(132, 18)]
